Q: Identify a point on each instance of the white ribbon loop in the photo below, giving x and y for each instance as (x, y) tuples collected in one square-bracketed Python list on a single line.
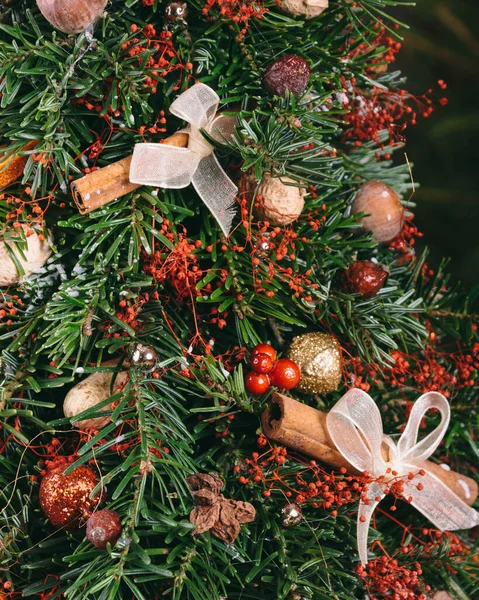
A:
[(356, 428), (174, 168)]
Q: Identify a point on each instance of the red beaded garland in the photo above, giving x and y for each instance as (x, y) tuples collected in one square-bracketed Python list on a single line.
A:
[(285, 374), (257, 383)]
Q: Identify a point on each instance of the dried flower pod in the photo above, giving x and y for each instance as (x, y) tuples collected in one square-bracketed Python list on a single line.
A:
[(102, 527), (71, 16), (384, 211), (37, 253), (275, 201), (364, 277), (306, 8), (289, 72)]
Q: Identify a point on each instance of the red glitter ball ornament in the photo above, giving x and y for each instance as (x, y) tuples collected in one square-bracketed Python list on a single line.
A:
[(285, 374), (261, 363), (257, 383), (264, 349), (289, 72), (102, 527), (364, 277), (65, 499)]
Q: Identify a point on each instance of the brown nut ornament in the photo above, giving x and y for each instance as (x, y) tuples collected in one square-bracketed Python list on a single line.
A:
[(318, 356), (103, 527), (385, 213), (278, 200), (35, 255), (71, 16), (364, 277), (307, 8)]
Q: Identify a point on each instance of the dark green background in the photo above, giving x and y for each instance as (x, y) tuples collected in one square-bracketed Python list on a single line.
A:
[(443, 43)]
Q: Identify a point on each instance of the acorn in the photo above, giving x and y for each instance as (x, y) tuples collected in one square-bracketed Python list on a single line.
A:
[(289, 72), (383, 208), (304, 8), (71, 16), (364, 277)]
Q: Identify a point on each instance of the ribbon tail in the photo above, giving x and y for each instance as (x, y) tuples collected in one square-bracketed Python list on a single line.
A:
[(217, 191), (440, 504), (365, 514)]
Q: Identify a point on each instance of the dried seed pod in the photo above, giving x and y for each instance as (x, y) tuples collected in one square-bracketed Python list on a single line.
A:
[(384, 211), (289, 72), (102, 527), (276, 201), (37, 253), (71, 16), (306, 8), (364, 277)]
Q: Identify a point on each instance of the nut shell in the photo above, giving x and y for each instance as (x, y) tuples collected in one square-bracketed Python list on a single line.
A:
[(88, 393), (289, 72), (65, 498), (385, 213), (364, 277), (275, 201), (318, 356), (71, 16), (36, 255), (306, 8), (102, 527)]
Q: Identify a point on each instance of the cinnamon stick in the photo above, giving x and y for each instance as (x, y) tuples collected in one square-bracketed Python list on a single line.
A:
[(303, 428), (113, 181)]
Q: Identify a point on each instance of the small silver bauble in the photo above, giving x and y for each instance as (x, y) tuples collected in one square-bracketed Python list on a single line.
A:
[(291, 514)]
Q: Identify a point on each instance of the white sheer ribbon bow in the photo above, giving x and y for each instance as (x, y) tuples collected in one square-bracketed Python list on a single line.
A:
[(356, 428), (172, 167)]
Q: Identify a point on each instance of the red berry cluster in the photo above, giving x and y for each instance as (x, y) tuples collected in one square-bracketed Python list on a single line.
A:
[(267, 371)]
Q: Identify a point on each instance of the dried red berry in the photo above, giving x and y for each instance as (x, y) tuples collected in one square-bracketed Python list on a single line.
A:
[(257, 383), (261, 363), (285, 374), (364, 277), (289, 72), (102, 527), (264, 349)]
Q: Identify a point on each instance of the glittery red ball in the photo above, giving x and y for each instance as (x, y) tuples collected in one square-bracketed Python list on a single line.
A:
[(261, 363), (256, 383), (65, 499), (265, 349), (289, 72), (364, 277), (285, 374), (102, 527)]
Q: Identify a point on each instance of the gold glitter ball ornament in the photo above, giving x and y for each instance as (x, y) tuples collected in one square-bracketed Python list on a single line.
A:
[(65, 499), (318, 356)]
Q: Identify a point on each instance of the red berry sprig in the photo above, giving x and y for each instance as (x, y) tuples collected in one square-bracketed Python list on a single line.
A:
[(267, 371)]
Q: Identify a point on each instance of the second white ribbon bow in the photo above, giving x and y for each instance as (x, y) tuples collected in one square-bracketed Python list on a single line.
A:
[(172, 167), (356, 428)]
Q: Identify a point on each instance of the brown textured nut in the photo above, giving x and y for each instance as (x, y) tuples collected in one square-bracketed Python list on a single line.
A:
[(102, 527), (289, 72), (384, 211), (276, 201), (364, 277), (36, 255), (65, 499), (71, 16), (90, 392), (307, 8)]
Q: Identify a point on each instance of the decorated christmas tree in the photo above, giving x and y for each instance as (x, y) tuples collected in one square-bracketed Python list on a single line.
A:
[(213, 309)]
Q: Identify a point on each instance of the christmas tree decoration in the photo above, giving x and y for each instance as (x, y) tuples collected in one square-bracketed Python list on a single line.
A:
[(318, 356), (96, 388), (307, 8), (285, 374), (103, 527), (291, 514), (364, 277), (289, 72), (31, 259), (12, 167), (176, 12), (261, 363), (256, 383), (278, 200), (384, 211), (167, 166), (143, 357), (65, 499), (264, 349), (71, 16), (216, 513)]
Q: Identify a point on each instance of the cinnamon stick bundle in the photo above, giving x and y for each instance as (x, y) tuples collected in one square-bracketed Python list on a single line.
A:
[(303, 428), (113, 181)]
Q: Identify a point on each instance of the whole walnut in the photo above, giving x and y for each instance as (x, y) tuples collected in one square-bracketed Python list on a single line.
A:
[(279, 200), (306, 8)]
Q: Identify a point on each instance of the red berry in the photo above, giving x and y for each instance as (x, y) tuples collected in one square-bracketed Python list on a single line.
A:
[(256, 383), (285, 374), (265, 349), (261, 363)]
